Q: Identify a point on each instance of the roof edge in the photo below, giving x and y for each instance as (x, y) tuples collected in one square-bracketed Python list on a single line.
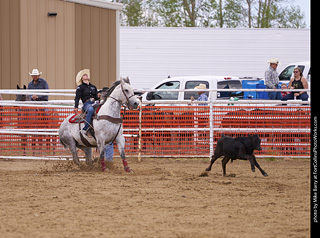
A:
[(99, 3)]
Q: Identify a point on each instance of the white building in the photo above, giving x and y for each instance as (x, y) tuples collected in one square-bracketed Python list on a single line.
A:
[(148, 55)]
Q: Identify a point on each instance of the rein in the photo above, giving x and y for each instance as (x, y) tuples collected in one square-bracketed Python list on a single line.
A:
[(113, 119), (126, 94)]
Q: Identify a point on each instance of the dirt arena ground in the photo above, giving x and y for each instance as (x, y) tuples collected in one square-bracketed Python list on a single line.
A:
[(162, 198)]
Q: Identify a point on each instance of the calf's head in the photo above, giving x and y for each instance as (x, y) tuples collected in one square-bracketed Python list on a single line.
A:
[(256, 142)]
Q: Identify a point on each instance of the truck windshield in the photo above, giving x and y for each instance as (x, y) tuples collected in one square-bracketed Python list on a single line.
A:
[(165, 95), (285, 75)]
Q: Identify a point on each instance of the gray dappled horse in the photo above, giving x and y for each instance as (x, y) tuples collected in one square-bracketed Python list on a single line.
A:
[(107, 125)]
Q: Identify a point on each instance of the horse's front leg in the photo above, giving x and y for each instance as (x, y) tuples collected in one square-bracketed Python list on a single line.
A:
[(101, 151), (120, 143)]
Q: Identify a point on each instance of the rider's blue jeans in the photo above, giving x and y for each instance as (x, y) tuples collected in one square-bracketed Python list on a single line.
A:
[(87, 106)]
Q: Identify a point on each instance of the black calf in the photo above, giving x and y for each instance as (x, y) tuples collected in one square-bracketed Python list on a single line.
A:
[(237, 148)]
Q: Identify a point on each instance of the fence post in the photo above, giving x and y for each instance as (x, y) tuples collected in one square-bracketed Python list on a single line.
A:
[(140, 129), (211, 125)]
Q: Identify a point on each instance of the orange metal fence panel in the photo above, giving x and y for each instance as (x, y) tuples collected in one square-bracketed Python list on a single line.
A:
[(177, 131), (284, 130)]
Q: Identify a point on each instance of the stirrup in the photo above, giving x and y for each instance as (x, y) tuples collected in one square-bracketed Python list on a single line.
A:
[(88, 133)]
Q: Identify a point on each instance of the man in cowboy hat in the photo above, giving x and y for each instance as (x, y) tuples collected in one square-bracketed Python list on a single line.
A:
[(202, 94), (272, 78), (38, 83), (88, 93)]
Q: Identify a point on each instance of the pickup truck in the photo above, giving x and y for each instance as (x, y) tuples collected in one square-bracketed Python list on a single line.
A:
[(190, 82), (287, 73)]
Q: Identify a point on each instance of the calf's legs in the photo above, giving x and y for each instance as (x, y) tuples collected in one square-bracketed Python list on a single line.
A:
[(213, 159), (224, 163), (251, 158), (258, 166), (253, 163)]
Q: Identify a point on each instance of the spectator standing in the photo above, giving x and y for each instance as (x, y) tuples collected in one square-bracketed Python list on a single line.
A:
[(272, 79), (38, 83), (38, 116)]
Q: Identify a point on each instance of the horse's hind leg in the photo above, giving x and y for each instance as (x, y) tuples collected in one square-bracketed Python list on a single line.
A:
[(73, 149), (88, 155)]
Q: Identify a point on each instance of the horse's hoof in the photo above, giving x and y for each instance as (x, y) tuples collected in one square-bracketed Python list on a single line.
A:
[(105, 169), (128, 170), (77, 163)]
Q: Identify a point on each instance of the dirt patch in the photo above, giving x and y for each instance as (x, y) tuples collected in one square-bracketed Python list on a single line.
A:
[(162, 198)]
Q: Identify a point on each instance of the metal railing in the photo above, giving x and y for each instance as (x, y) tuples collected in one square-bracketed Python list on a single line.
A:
[(30, 129)]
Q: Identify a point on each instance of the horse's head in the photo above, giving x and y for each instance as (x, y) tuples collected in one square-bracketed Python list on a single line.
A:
[(127, 96), (20, 97)]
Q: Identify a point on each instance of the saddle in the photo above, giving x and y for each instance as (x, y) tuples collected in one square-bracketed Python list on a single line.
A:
[(79, 118)]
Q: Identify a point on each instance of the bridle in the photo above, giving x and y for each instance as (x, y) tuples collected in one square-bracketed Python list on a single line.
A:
[(127, 98)]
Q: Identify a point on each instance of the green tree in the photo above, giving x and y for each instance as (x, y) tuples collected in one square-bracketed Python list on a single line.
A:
[(233, 14), (208, 14), (169, 12), (212, 13), (132, 13), (291, 17)]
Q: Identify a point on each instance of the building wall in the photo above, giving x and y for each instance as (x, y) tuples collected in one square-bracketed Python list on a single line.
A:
[(149, 55), (47, 42), (9, 43), (96, 27), (80, 36)]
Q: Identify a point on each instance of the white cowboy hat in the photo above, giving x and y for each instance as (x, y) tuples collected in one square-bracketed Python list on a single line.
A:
[(201, 86), (35, 72), (80, 74), (274, 61)]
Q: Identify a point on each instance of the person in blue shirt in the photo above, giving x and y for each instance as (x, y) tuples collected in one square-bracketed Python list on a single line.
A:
[(202, 94), (271, 79), (38, 83), (108, 151)]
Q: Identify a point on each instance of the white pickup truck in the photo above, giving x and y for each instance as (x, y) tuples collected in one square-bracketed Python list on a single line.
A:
[(190, 82), (214, 82), (287, 73)]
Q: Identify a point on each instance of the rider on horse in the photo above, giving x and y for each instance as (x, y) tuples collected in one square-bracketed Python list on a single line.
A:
[(88, 94)]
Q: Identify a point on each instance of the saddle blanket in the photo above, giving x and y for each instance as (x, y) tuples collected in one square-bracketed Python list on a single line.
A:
[(79, 118), (76, 119)]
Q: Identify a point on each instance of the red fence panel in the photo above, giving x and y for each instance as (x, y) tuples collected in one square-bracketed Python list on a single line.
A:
[(177, 131)]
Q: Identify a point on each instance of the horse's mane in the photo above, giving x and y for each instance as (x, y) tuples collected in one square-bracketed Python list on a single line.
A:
[(106, 93)]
